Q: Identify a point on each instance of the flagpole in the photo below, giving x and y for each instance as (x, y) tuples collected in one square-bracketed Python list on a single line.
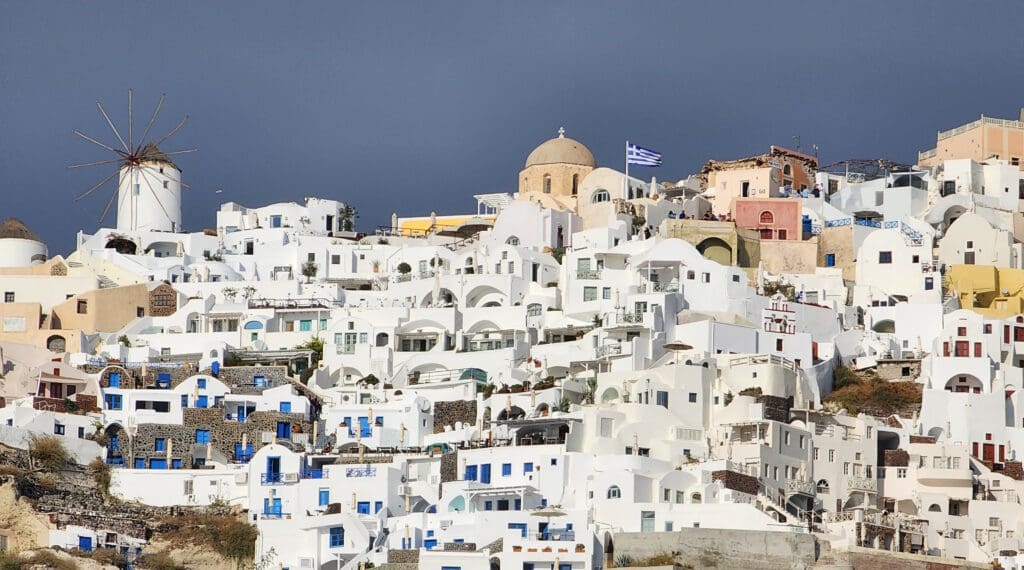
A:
[(625, 181)]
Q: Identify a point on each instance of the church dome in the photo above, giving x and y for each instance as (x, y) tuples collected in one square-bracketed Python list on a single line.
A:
[(561, 150)]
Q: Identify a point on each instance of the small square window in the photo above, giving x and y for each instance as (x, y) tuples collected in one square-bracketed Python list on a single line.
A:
[(8, 296), (970, 245), (693, 397), (885, 257)]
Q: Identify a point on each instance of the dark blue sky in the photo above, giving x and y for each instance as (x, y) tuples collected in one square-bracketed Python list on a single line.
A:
[(416, 106)]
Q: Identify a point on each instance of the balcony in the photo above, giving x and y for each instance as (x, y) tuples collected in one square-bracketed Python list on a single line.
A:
[(361, 472), (588, 274), (346, 349), (272, 514), (609, 350), (798, 487), (555, 534), (271, 478), (657, 287), (403, 278), (862, 484), (944, 476)]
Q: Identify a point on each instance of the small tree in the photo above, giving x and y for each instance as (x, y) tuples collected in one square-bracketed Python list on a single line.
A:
[(348, 218), (229, 293), (100, 472), (404, 268), (248, 291), (123, 339), (316, 344), (309, 270)]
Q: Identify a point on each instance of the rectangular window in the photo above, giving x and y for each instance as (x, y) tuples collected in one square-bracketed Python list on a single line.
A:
[(506, 469), (693, 397), (83, 306), (830, 260), (885, 257), (662, 399), (929, 283), (160, 444), (201, 382), (324, 497), (305, 325), (606, 293), (590, 293), (113, 401), (527, 468), (285, 407), (58, 429), (337, 536), (9, 297), (202, 436)]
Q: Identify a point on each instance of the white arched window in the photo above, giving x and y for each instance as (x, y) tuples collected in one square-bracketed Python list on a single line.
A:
[(614, 492), (600, 196)]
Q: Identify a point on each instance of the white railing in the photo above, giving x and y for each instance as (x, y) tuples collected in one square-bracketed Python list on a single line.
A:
[(588, 274), (609, 350), (798, 486), (862, 484)]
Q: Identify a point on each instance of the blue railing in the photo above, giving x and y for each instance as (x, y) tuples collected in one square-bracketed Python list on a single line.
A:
[(272, 514), (838, 223), (361, 472), (313, 474), (270, 478)]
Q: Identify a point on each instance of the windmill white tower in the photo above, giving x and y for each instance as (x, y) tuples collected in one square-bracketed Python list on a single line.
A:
[(148, 181)]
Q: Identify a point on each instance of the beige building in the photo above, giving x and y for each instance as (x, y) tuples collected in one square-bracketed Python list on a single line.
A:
[(979, 140), (64, 328), (758, 176), (554, 171)]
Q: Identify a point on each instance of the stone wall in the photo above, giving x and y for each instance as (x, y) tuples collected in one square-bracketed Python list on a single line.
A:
[(736, 481), (163, 301), (411, 556), (447, 413), (240, 378), (790, 255), (450, 467), (895, 458), (720, 548), (922, 439), (1013, 470), (903, 369), (776, 408), (460, 547), (224, 434), (839, 242)]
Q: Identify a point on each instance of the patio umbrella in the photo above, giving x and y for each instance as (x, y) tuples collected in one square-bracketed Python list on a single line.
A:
[(548, 513), (676, 346)]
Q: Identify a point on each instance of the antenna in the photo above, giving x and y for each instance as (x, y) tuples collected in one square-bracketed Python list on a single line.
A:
[(130, 160)]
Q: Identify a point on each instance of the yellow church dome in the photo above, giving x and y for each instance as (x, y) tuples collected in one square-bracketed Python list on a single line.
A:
[(561, 150)]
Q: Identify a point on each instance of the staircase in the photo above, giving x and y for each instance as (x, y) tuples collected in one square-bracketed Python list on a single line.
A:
[(106, 282)]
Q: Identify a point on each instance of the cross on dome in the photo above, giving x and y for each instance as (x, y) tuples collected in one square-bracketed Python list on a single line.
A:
[(561, 132)]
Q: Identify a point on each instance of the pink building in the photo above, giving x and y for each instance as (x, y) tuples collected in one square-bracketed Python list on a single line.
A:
[(773, 218)]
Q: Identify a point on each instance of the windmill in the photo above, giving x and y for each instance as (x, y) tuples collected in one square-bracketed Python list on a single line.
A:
[(148, 191)]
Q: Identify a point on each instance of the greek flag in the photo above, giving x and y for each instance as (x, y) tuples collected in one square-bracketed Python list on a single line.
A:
[(641, 156)]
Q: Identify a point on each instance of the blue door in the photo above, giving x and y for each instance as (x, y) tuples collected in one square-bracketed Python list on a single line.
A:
[(115, 379), (284, 430), (325, 497), (140, 463), (163, 380), (364, 427), (85, 543), (485, 473), (114, 443), (201, 402), (377, 506), (363, 507), (273, 469), (240, 413), (471, 473), (830, 260), (158, 464)]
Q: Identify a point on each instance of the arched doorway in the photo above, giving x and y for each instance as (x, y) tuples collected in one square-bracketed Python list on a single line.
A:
[(56, 343), (716, 250), (381, 339)]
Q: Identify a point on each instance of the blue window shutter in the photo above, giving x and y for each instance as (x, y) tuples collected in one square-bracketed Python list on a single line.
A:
[(325, 497)]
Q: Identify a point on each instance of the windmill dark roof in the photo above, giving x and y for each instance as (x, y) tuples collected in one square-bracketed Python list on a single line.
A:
[(151, 152), (15, 228)]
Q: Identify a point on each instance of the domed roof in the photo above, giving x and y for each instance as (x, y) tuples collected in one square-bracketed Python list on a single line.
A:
[(561, 150), (15, 228)]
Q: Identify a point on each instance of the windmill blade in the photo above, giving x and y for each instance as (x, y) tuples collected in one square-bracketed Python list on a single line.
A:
[(98, 143), (153, 192), (174, 130), (142, 140), (131, 123), (112, 127), (180, 151), (98, 184), (110, 203), (97, 163), (189, 187)]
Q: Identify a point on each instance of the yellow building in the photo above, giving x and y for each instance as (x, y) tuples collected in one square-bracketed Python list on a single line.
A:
[(996, 292), (979, 140), (554, 171)]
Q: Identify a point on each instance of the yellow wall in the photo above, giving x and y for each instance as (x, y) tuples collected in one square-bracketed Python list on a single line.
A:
[(980, 289), (107, 310)]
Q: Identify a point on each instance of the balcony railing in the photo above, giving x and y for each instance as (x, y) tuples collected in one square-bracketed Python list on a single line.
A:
[(346, 349), (862, 484), (271, 478), (361, 472), (555, 534), (313, 474), (272, 514), (588, 274), (609, 350), (403, 277), (798, 486), (658, 287)]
